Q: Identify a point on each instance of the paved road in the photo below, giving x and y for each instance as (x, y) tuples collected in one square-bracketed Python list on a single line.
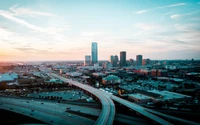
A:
[(48, 111), (105, 104), (149, 113), (108, 108)]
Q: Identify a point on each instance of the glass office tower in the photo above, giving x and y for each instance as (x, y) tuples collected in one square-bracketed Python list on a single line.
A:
[(94, 53)]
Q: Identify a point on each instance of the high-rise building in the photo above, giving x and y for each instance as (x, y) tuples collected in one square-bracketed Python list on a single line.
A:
[(94, 53), (107, 65), (138, 60), (87, 60), (122, 58), (112, 59), (115, 62), (145, 61), (116, 58)]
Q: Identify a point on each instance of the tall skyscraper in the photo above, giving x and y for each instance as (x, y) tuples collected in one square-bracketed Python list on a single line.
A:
[(116, 60), (87, 60), (138, 60), (112, 59), (122, 58), (94, 53)]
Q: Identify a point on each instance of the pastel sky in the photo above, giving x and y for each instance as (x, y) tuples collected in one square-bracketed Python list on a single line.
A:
[(33, 30)]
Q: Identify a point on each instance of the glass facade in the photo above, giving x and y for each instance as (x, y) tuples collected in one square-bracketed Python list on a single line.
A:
[(94, 53)]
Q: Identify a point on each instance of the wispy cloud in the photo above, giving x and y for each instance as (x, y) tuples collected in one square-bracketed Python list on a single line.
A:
[(28, 12), (146, 26), (159, 7), (187, 27), (86, 33), (180, 16), (48, 30)]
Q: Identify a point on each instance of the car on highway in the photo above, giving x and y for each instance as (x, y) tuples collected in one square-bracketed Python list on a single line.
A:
[(68, 108)]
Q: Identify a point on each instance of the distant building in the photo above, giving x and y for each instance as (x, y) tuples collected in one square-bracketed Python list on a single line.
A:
[(145, 72), (113, 60), (136, 97), (155, 96), (94, 53), (111, 79), (8, 77), (87, 60), (116, 58), (131, 61), (97, 74), (145, 61), (107, 65), (138, 60), (122, 58), (115, 63), (74, 74), (159, 72)]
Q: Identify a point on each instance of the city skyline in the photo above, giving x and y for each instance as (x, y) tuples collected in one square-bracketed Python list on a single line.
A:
[(64, 30)]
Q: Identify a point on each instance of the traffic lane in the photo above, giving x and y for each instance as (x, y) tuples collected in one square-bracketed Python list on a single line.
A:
[(106, 111), (141, 110), (80, 120), (46, 117), (133, 106), (172, 117), (55, 108)]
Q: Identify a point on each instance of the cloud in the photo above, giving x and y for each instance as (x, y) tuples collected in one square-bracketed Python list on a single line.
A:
[(10, 16), (86, 33), (29, 12), (159, 7), (48, 30), (187, 27), (146, 26), (179, 42), (193, 14)]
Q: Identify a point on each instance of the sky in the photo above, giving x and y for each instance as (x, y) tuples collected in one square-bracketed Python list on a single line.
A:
[(33, 30)]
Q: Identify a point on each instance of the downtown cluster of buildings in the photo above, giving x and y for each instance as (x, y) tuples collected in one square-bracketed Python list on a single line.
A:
[(114, 61)]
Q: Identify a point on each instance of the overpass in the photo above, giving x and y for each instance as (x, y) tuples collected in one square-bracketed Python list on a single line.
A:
[(46, 111), (151, 114), (108, 108)]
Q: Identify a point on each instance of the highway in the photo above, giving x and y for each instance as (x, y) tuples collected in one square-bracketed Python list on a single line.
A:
[(105, 103), (108, 108), (151, 114), (47, 111), (56, 111)]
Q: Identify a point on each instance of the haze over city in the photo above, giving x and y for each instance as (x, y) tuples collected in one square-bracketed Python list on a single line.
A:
[(64, 30)]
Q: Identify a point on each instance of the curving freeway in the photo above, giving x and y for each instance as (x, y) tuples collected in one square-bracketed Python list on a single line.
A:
[(108, 108), (106, 116), (108, 111), (106, 101)]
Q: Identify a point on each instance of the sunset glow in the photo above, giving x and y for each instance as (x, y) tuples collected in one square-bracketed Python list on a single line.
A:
[(65, 29)]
